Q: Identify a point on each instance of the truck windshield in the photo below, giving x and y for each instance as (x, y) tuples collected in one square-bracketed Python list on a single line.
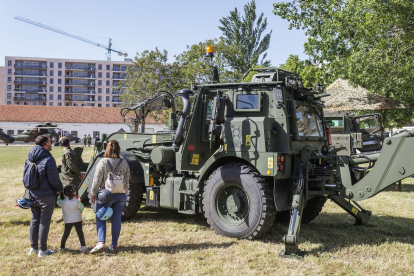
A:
[(308, 121)]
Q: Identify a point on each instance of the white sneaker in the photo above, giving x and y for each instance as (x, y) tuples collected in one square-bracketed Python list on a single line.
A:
[(83, 249), (98, 248), (45, 253), (112, 248), (64, 249), (33, 251)]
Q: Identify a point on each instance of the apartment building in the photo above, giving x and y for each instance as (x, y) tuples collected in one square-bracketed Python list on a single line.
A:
[(62, 82)]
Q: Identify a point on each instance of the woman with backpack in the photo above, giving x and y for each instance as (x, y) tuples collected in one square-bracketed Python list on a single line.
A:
[(111, 173)]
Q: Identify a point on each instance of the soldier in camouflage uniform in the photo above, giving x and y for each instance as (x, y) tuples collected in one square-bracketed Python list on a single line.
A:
[(89, 140), (84, 139), (71, 174)]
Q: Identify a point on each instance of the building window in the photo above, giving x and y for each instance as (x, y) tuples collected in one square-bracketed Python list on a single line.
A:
[(8, 102), (51, 73), (51, 65), (107, 98), (51, 89), (107, 83), (59, 81), (59, 104), (9, 79), (50, 103), (108, 75), (9, 96), (51, 81), (9, 71), (59, 97), (99, 105), (74, 133), (9, 63), (59, 89), (94, 134), (108, 67), (10, 131), (51, 97), (99, 90), (107, 105), (100, 98), (99, 82), (75, 66), (59, 73), (60, 65), (100, 67), (99, 74), (108, 91), (8, 87), (20, 131)]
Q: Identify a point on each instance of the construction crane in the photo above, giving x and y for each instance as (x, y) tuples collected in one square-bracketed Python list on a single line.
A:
[(109, 48)]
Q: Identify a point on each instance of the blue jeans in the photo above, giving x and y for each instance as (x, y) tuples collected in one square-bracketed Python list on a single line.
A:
[(117, 204)]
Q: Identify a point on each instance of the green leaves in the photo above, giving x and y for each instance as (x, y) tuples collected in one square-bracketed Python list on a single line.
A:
[(245, 33), (368, 42)]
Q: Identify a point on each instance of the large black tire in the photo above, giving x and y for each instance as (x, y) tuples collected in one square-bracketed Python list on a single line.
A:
[(313, 208), (237, 202), (134, 199)]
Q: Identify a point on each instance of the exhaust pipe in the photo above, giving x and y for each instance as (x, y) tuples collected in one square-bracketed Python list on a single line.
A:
[(185, 96)]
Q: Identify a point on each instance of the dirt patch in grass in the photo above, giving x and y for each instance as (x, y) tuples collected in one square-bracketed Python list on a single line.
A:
[(163, 242)]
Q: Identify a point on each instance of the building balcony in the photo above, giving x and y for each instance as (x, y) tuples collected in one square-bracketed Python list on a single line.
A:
[(81, 68), (31, 99), (119, 69), (30, 74), (91, 92), (22, 90), (118, 78), (68, 99), (117, 101), (30, 82), (79, 77), (30, 66)]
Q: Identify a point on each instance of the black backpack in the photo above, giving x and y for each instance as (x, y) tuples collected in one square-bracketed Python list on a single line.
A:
[(31, 179)]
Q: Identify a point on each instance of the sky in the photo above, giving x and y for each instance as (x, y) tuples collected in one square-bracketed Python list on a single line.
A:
[(133, 25)]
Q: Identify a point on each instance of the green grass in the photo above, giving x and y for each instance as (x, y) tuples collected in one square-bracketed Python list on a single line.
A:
[(163, 242)]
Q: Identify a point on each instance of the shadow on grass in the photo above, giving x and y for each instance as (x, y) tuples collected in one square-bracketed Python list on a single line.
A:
[(173, 249), (333, 231), (15, 223)]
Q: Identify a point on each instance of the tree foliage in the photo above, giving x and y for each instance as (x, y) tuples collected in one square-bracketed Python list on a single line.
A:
[(149, 74), (195, 68), (369, 42), (245, 32), (310, 73)]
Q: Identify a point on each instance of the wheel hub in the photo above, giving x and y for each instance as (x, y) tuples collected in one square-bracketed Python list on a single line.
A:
[(232, 204)]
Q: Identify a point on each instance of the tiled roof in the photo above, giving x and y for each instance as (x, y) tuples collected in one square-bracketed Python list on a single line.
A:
[(63, 114)]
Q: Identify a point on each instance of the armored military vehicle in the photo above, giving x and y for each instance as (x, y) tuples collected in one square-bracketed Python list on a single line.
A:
[(243, 152)]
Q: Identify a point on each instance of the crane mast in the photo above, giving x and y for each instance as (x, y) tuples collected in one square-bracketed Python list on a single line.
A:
[(109, 47)]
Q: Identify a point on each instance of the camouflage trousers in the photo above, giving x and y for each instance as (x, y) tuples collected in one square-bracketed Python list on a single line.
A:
[(75, 181)]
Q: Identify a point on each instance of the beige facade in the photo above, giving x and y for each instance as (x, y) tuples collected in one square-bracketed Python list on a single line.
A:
[(61, 82)]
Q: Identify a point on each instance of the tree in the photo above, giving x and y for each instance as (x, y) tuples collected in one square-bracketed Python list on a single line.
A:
[(149, 74), (310, 74), (245, 33), (195, 68), (371, 43)]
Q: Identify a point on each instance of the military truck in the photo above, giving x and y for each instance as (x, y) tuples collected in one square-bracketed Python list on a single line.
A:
[(356, 134), (241, 153)]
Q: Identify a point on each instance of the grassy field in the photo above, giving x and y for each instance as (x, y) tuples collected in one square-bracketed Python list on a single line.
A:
[(163, 242)]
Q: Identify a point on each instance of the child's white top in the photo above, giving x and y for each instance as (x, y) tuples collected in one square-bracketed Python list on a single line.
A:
[(71, 209)]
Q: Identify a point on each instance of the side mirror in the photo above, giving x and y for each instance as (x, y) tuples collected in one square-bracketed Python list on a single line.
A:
[(217, 111)]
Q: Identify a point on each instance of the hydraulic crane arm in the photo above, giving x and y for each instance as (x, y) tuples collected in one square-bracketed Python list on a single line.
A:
[(143, 109)]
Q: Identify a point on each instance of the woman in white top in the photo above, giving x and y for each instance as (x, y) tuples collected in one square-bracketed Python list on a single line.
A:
[(118, 199)]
